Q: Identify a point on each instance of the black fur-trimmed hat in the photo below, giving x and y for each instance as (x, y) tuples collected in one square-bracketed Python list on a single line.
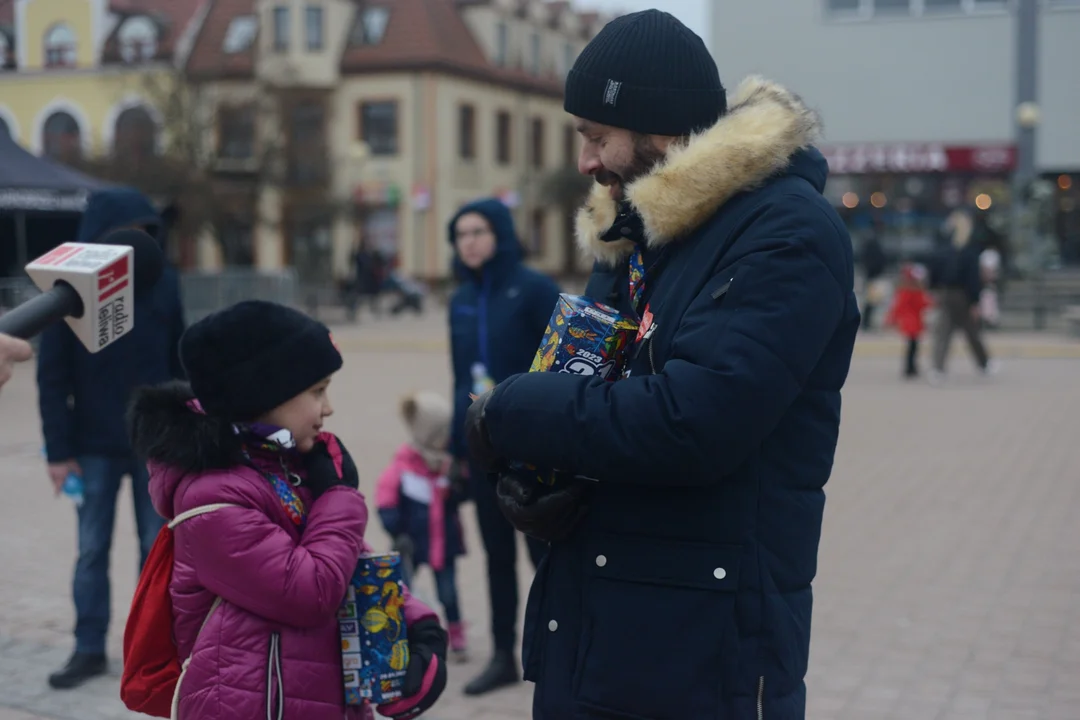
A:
[(249, 358)]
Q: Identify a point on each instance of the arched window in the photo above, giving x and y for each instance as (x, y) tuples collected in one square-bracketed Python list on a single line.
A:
[(138, 39), (60, 46), (135, 134), (61, 138)]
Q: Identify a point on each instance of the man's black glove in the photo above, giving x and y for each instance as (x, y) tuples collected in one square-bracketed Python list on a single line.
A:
[(329, 464), (477, 439), (544, 512), (425, 676)]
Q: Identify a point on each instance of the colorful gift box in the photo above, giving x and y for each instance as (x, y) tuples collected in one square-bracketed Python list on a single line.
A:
[(374, 644), (583, 337)]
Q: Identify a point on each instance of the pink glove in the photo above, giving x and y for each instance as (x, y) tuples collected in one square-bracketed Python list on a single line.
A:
[(425, 678)]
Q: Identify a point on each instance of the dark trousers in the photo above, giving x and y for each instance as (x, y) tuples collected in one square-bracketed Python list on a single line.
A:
[(445, 586), (90, 587), (500, 544), (955, 314), (911, 363), (868, 316)]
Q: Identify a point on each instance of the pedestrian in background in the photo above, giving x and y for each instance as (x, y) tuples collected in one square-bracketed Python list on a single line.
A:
[(83, 397), (418, 505), (957, 278), (498, 315), (873, 261), (909, 305)]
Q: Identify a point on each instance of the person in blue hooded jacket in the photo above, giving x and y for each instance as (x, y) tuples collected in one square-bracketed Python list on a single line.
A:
[(83, 399), (498, 315), (685, 522)]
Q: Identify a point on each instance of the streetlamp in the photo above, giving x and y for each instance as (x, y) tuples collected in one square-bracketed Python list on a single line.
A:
[(1026, 120)]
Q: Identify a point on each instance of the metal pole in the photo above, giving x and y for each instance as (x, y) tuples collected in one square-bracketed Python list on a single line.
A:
[(1027, 24)]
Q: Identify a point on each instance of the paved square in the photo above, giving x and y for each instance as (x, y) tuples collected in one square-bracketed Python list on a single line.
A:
[(949, 578)]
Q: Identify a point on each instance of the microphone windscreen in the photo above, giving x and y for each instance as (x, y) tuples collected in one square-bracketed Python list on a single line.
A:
[(149, 262)]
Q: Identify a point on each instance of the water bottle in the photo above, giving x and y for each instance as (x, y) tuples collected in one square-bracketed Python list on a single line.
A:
[(73, 488), (481, 382)]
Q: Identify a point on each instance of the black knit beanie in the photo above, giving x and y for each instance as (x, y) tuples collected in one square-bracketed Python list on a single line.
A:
[(249, 358), (649, 73)]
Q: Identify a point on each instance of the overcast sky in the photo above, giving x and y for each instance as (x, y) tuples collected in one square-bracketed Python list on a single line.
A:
[(691, 12)]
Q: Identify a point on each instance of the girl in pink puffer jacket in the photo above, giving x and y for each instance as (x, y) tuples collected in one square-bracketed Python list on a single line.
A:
[(258, 580)]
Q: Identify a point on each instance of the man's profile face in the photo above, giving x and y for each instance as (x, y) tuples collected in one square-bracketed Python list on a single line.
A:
[(615, 157)]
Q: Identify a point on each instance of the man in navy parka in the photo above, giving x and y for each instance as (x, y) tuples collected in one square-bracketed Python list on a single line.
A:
[(684, 591), (498, 315)]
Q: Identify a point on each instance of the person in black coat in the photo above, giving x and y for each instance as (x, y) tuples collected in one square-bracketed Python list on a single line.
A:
[(957, 278), (874, 263), (498, 315), (685, 522), (83, 398)]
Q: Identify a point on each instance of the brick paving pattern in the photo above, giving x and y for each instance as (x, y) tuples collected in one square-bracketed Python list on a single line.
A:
[(949, 577)]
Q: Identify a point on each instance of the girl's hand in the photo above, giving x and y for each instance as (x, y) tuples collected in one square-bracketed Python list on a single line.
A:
[(329, 464), (425, 678)]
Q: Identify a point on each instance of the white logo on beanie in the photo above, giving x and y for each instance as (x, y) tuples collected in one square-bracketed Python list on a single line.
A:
[(611, 92)]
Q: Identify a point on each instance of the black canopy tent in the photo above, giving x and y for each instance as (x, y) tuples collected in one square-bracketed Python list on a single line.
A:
[(41, 202)]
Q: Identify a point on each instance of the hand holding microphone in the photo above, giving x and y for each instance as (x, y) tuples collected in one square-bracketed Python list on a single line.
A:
[(91, 285), (12, 350)]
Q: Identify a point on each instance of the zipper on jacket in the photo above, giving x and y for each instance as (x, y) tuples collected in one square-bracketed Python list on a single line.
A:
[(652, 362), (722, 290), (761, 698), (273, 680)]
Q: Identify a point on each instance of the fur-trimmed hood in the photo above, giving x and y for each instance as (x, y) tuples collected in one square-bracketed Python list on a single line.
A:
[(166, 431), (765, 125)]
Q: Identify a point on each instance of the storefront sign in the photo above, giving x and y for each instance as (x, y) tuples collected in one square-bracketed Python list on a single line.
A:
[(918, 158)]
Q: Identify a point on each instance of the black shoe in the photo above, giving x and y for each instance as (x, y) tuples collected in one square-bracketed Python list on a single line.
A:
[(502, 671), (80, 668)]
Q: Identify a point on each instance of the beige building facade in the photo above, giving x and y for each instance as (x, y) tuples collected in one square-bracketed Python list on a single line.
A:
[(337, 124)]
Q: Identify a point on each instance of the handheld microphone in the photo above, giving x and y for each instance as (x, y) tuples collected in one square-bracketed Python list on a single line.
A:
[(90, 285)]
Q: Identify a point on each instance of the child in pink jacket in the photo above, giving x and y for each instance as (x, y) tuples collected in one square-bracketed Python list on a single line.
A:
[(257, 581), (419, 507)]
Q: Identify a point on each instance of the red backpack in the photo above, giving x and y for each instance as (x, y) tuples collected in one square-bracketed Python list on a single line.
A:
[(152, 669)]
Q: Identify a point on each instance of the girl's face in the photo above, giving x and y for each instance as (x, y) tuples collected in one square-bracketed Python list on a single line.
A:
[(303, 415)]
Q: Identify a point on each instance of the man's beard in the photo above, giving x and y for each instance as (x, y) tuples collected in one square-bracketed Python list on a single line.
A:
[(646, 156)]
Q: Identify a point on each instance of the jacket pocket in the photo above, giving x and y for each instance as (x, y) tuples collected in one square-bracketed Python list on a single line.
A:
[(659, 629), (275, 687)]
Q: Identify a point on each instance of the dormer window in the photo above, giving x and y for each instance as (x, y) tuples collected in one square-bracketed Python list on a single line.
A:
[(59, 46), (370, 26), (240, 34), (138, 38)]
